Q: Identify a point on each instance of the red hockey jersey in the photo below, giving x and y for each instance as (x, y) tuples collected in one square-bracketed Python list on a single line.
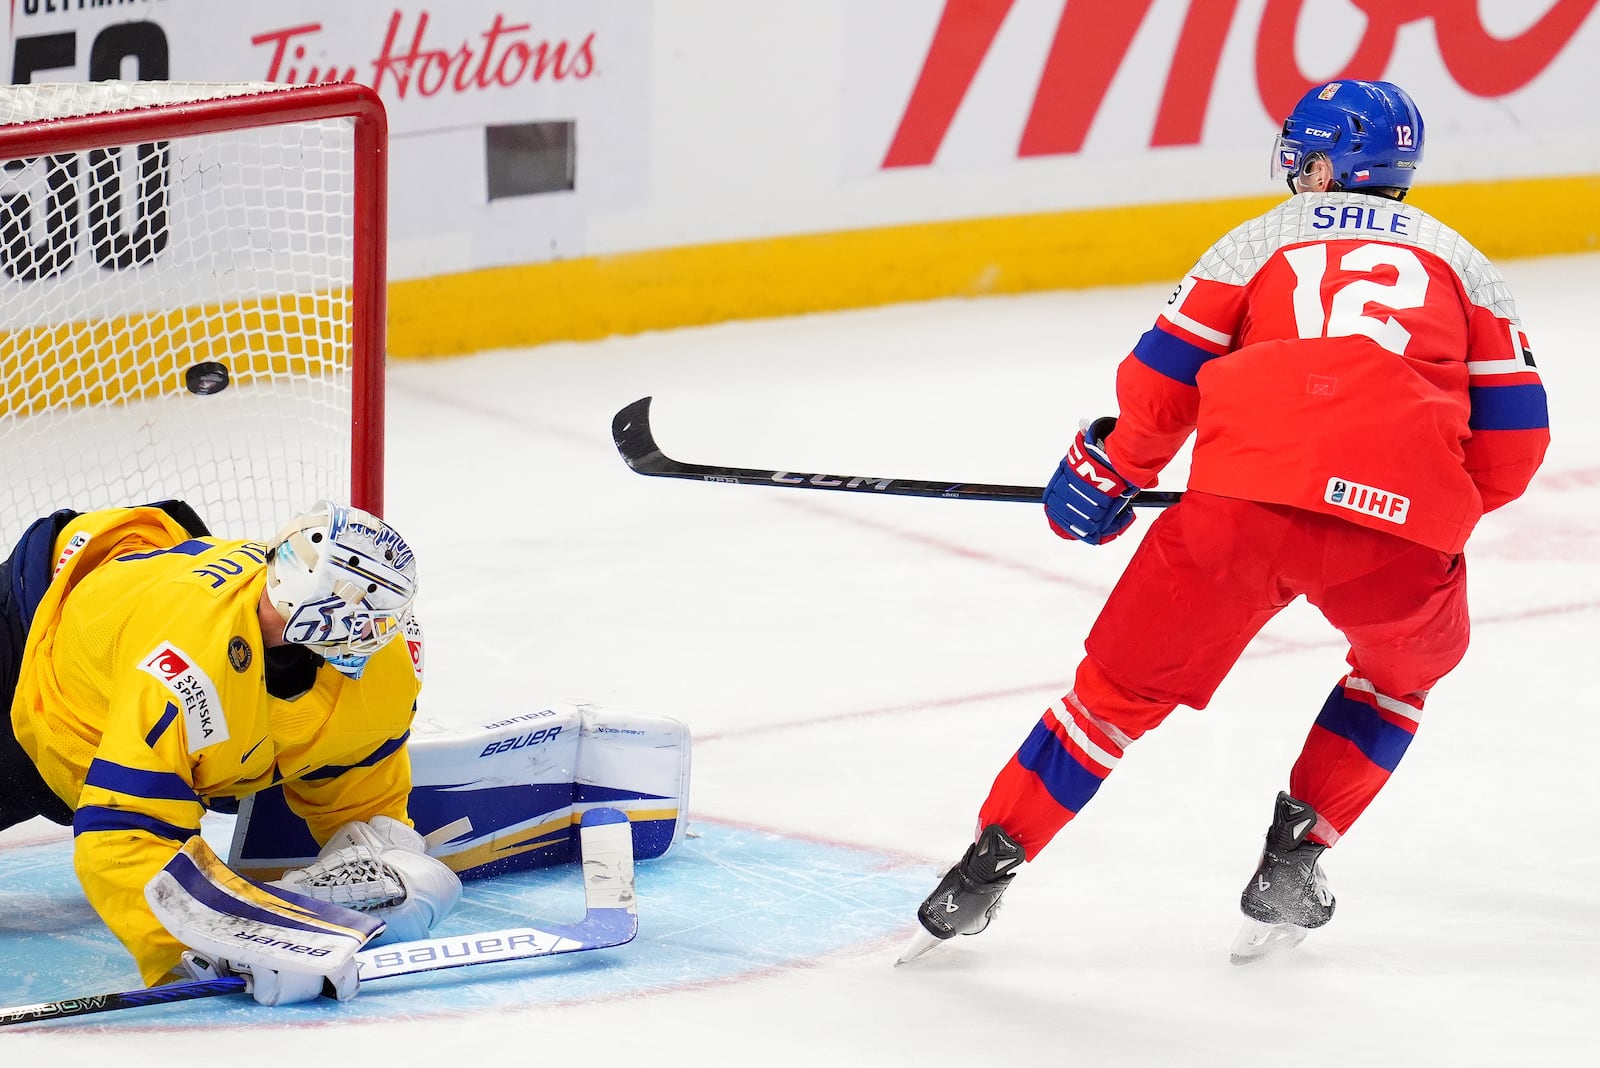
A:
[(1346, 354)]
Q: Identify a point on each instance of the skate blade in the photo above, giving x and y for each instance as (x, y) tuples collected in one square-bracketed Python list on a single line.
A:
[(1257, 940), (920, 944)]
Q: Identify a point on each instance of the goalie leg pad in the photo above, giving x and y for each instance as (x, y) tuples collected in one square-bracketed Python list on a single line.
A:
[(521, 783), (223, 915)]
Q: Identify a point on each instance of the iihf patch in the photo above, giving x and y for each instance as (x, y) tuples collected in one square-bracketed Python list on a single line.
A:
[(1367, 500), (239, 654), (1328, 91)]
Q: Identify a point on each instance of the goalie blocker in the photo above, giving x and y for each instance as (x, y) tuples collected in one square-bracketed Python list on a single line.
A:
[(509, 795)]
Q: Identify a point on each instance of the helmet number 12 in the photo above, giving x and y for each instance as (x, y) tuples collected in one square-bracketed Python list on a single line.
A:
[(1346, 313)]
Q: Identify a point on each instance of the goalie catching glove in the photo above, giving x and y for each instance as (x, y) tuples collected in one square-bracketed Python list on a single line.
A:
[(380, 868)]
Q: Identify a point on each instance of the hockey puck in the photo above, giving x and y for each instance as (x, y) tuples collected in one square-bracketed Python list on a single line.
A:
[(206, 378)]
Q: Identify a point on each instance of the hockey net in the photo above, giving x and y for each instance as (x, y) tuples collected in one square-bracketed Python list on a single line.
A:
[(156, 234)]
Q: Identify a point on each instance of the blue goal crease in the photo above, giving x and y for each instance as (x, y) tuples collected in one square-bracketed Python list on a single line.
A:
[(699, 920)]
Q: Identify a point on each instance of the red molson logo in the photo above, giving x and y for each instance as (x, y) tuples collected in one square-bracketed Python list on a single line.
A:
[(502, 56), (1094, 37)]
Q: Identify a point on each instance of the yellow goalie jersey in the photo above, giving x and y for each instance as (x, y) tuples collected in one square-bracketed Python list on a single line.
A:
[(144, 699)]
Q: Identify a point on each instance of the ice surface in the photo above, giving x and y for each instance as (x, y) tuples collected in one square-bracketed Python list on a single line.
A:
[(856, 670)]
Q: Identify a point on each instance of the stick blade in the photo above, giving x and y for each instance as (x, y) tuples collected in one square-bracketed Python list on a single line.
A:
[(630, 432), (606, 840)]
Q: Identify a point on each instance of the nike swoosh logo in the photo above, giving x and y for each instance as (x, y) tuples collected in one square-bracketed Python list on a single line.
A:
[(252, 749)]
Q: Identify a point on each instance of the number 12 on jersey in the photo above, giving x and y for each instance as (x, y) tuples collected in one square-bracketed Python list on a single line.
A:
[(1346, 312)]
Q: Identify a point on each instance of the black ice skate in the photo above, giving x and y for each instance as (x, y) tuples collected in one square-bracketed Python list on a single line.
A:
[(1288, 895), (966, 898)]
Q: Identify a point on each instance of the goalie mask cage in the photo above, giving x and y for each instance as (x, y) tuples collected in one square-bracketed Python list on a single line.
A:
[(150, 231)]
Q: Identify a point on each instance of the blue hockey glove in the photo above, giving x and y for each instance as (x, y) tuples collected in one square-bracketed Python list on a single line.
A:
[(1086, 500)]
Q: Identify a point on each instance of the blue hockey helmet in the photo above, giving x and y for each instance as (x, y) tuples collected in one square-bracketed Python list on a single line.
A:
[(1371, 132)]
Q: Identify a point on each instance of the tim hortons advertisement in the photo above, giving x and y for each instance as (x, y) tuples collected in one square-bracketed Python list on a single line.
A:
[(510, 123)]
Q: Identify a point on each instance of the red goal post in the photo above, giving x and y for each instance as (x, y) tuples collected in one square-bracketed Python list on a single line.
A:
[(148, 229)]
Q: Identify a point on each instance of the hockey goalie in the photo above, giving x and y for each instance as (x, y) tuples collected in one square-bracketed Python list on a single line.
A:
[(187, 673)]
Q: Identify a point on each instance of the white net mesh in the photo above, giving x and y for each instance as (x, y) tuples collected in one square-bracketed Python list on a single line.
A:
[(123, 267)]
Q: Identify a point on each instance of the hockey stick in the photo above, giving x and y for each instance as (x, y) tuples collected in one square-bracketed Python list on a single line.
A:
[(127, 999), (630, 430), (610, 919)]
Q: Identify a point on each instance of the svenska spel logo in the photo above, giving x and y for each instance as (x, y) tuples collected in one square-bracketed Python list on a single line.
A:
[(196, 693)]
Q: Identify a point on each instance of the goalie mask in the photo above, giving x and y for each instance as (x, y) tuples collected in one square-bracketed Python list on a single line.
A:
[(343, 580)]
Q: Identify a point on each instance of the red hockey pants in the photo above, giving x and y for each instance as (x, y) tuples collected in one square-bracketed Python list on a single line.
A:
[(1209, 574)]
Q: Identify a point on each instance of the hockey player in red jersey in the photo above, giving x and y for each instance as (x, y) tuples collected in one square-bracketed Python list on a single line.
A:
[(1361, 392)]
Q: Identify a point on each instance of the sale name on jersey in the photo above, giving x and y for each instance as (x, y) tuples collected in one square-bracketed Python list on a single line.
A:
[(1360, 217), (1369, 500)]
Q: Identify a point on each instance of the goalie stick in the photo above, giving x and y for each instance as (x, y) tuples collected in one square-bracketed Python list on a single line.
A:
[(630, 430), (610, 919)]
